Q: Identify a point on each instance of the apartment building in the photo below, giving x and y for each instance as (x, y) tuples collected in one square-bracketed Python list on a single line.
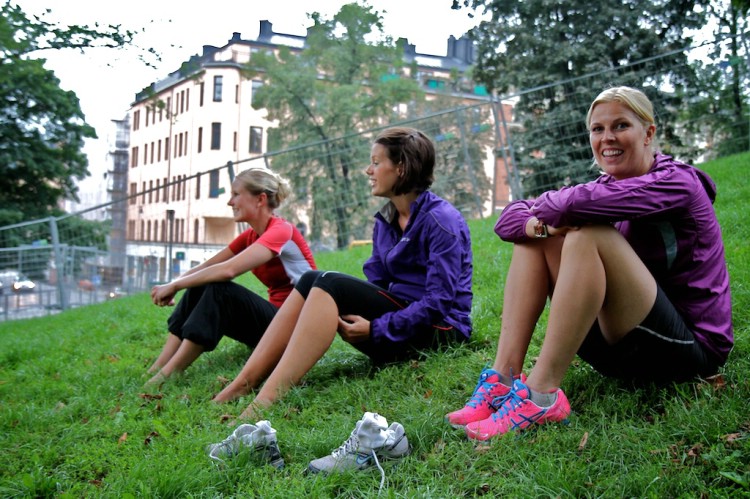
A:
[(184, 128)]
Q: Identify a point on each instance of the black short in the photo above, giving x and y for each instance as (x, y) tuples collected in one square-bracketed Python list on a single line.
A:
[(661, 349), (359, 297)]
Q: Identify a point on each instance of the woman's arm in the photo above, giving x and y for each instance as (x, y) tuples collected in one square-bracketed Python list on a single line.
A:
[(221, 270)]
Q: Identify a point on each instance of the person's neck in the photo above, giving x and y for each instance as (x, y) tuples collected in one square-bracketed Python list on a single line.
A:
[(260, 224), (403, 203)]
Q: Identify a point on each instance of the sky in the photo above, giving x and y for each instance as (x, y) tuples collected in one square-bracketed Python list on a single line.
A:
[(107, 80)]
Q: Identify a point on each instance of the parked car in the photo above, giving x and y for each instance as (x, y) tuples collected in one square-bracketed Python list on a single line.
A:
[(23, 284), (16, 281), (116, 293)]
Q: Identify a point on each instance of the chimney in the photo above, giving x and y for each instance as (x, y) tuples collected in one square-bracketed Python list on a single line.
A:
[(266, 30)]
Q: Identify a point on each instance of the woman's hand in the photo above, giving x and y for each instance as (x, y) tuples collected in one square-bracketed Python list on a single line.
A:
[(354, 328), (163, 295)]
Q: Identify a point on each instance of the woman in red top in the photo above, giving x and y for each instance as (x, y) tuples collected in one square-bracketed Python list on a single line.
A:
[(213, 306)]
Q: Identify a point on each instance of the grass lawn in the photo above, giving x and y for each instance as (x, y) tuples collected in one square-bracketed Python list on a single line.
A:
[(76, 422)]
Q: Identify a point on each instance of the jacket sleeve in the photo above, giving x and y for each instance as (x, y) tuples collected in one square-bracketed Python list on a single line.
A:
[(605, 200), (511, 225), (444, 270)]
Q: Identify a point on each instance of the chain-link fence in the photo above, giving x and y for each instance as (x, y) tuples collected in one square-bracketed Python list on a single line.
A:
[(488, 153)]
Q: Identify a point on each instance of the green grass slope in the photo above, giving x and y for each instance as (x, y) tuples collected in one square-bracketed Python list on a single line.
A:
[(76, 422)]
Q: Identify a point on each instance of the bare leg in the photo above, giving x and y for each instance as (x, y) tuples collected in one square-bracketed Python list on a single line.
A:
[(267, 353), (531, 277), (170, 347), (600, 275), (312, 336), (181, 360)]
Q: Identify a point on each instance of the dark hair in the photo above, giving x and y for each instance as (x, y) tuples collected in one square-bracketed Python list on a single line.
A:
[(414, 153)]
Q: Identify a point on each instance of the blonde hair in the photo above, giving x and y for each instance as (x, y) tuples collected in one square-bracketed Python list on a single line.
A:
[(258, 180), (634, 99)]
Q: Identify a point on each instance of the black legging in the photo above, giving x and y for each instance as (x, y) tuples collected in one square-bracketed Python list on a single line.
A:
[(359, 297), (206, 313)]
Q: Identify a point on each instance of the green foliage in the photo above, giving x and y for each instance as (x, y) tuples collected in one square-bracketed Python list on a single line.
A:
[(42, 128), (339, 84), (532, 44), (76, 421)]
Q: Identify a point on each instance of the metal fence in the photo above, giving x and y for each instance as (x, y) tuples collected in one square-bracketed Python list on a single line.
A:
[(488, 153)]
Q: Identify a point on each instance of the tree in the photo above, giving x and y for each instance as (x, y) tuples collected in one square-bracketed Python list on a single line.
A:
[(42, 128), (341, 83), (550, 46)]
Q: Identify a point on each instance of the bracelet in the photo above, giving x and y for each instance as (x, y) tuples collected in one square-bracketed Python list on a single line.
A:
[(540, 230)]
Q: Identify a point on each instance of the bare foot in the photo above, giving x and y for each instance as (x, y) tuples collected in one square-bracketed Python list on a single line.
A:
[(254, 411), (156, 381), (230, 393)]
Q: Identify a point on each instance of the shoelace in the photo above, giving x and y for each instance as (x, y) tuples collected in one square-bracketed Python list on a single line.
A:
[(477, 396), (349, 447), (512, 401), (382, 471)]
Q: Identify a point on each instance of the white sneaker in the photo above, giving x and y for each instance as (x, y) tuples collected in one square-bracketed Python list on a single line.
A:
[(259, 437), (372, 439)]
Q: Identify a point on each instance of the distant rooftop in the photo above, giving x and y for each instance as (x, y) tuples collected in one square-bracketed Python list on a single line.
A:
[(460, 55)]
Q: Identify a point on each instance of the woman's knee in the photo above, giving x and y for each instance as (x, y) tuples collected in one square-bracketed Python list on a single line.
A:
[(306, 282)]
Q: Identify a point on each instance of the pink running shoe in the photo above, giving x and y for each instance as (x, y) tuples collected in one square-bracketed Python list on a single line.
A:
[(488, 396), (518, 413)]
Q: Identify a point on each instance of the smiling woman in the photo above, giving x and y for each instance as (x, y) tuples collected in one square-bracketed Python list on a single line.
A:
[(213, 306), (633, 265)]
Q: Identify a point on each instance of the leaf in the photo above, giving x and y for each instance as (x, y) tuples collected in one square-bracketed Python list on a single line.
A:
[(583, 442), (731, 438), (742, 480), (122, 438)]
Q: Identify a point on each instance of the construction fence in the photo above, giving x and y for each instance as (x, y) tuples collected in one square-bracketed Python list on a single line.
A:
[(489, 153)]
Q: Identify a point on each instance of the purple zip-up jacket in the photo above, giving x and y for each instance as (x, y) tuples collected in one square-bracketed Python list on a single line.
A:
[(668, 218), (429, 265)]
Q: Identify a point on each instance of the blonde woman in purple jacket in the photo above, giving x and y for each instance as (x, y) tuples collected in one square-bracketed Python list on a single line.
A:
[(633, 265)]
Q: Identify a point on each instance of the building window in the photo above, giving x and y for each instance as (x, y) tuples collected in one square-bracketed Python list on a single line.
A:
[(256, 139), (145, 154), (187, 99), (182, 101), (158, 189), (202, 89), (152, 153), (158, 156), (236, 94), (134, 157), (136, 120), (255, 85), (166, 148), (198, 186), (200, 139), (216, 136), (234, 142), (133, 192), (213, 184), (218, 82), (165, 190), (150, 191), (196, 227)]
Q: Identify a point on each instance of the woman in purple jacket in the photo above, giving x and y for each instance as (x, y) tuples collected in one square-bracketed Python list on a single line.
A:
[(633, 265), (417, 294)]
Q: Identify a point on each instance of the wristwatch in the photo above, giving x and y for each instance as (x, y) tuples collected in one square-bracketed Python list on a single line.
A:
[(540, 229)]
